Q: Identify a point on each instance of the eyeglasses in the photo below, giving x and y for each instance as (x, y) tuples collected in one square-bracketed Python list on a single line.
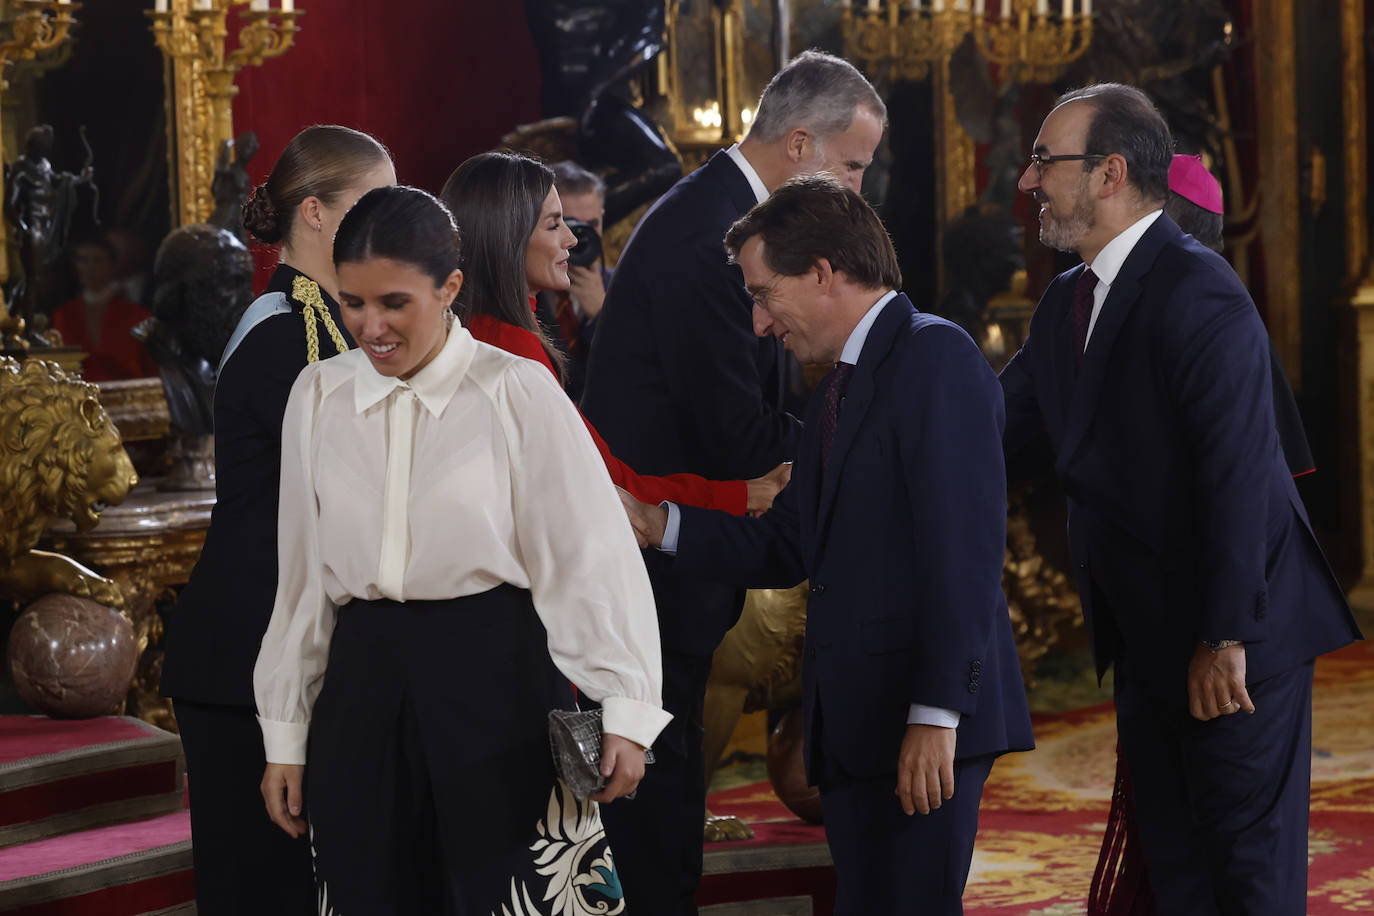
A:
[(1042, 162)]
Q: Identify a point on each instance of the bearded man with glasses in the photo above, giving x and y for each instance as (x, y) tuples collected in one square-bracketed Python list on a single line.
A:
[(1202, 583)]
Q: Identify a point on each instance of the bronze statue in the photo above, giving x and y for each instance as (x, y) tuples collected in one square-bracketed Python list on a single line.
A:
[(232, 184), (588, 51), (40, 204), (202, 282), (63, 458)]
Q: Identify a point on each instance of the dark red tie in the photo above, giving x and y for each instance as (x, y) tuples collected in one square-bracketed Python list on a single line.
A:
[(1081, 313), (834, 386)]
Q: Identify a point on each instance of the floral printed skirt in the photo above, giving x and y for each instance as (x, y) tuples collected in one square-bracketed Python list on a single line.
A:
[(429, 780)]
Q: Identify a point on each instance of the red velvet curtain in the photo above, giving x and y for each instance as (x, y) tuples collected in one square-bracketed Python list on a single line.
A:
[(435, 80)]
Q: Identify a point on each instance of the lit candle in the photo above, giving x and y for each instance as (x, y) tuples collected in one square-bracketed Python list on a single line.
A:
[(1004, 10), (160, 6), (1087, 7), (203, 4), (939, 6), (288, 6), (1042, 7), (873, 4), (980, 7), (1068, 9), (259, 5)]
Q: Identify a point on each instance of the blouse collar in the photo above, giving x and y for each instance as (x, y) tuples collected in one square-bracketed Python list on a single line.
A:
[(434, 385)]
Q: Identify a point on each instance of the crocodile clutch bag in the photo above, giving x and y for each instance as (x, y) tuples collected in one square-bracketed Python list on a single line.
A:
[(575, 737)]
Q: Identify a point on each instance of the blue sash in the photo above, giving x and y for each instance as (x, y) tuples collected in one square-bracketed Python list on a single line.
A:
[(263, 307)]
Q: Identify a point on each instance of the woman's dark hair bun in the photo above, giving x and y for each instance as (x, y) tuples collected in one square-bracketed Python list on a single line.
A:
[(260, 216)]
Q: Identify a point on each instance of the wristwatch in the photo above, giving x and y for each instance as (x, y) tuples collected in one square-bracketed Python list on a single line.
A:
[(1218, 645)]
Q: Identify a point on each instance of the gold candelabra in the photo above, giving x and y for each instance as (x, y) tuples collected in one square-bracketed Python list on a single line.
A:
[(1033, 44), (200, 72), (1035, 40), (905, 37), (40, 25)]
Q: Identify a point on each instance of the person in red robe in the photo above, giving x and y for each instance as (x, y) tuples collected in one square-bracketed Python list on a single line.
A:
[(99, 319)]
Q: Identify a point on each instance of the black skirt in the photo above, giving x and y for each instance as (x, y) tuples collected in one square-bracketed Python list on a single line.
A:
[(429, 782)]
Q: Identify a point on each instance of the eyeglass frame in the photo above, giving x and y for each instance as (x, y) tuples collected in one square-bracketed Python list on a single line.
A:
[(1040, 162)]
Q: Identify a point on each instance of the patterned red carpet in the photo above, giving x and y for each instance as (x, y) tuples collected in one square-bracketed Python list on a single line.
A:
[(1043, 813)]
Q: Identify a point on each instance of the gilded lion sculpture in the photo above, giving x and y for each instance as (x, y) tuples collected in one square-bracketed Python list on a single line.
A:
[(61, 458)]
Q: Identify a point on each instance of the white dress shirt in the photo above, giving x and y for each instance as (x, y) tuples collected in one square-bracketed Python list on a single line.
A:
[(1108, 263), (478, 471), (918, 714), (755, 182)]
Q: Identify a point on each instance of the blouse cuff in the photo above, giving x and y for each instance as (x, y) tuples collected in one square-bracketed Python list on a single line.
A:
[(284, 742), (640, 722)]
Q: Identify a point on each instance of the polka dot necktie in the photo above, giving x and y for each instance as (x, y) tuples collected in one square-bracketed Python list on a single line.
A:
[(834, 386), (1081, 313)]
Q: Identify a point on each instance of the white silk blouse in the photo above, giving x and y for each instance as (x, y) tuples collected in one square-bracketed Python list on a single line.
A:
[(477, 471)]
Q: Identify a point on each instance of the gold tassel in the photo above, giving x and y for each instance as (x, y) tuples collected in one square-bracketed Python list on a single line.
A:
[(307, 293)]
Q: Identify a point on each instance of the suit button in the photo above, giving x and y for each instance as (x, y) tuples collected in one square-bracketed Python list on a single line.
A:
[(818, 589), (976, 666), (972, 687)]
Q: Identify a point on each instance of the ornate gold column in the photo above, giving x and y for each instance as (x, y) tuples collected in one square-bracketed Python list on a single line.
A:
[(199, 78), (1276, 87), (1358, 341)]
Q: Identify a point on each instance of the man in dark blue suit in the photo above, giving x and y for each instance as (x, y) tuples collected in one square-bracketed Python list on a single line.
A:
[(1148, 369), (677, 382), (896, 512)]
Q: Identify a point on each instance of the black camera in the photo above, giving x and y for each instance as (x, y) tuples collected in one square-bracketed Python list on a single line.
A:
[(587, 251)]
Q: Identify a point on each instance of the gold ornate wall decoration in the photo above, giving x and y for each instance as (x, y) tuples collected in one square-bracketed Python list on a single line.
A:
[(1280, 210), (199, 77)]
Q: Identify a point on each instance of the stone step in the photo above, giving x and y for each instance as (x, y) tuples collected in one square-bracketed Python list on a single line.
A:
[(63, 776), (143, 868)]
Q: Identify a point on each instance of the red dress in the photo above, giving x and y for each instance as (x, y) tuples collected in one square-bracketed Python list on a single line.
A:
[(116, 355), (689, 489)]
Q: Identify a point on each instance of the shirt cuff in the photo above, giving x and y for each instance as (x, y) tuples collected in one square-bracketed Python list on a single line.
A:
[(284, 742), (640, 722), (932, 715), (670, 533)]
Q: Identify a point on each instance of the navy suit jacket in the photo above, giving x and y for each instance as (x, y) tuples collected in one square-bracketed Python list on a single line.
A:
[(679, 383), (1184, 522), (902, 535)]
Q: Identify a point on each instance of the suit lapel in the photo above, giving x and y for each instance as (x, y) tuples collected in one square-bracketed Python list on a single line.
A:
[(857, 400), (1121, 301)]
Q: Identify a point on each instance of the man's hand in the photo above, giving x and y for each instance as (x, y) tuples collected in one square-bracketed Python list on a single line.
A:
[(588, 289), (763, 490), (281, 790), (622, 763), (1216, 683), (649, 522), (925, 768)]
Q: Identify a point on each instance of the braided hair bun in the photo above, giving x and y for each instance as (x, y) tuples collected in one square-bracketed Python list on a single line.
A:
[(260, 217)]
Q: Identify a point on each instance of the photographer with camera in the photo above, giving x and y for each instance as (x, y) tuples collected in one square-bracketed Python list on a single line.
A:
[(571, 314)]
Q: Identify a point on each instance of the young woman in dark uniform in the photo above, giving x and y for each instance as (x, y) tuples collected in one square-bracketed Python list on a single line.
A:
[(243, 863)]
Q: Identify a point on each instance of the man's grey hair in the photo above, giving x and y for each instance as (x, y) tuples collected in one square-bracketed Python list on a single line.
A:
[(817, 91), (571, 178)]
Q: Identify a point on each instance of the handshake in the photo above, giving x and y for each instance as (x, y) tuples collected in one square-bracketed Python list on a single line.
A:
[(648, 521)]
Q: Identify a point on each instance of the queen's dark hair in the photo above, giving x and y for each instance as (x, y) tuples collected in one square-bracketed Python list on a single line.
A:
[(496, 199), (401, 224)]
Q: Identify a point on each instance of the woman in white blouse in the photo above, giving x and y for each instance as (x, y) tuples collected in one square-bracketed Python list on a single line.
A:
[(452, 554)]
